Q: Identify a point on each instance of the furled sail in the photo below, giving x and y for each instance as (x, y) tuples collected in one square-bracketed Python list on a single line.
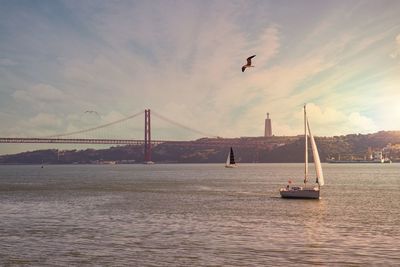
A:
[(317, 161), (305, 147)]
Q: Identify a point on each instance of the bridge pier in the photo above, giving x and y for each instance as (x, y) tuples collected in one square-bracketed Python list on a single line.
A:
[(147, 137)]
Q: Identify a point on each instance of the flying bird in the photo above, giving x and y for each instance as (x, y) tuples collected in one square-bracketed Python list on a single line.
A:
[(248, 63), (92, 112)]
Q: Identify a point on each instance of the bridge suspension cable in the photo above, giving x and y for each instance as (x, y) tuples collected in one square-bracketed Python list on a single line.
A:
[(183, 126), (97, 127)]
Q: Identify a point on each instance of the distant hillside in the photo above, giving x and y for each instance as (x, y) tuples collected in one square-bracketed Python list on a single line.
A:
[(249, 149)]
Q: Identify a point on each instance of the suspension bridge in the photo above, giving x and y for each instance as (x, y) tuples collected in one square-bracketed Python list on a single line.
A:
[(208, 140)]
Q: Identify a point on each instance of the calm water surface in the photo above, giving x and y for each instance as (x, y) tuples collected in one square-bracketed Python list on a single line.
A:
[(199, 215)]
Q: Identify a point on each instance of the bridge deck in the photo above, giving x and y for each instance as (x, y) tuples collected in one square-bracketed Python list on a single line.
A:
[(209, 142)]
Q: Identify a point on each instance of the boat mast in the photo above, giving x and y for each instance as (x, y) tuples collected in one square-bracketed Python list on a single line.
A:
[(306, 147)]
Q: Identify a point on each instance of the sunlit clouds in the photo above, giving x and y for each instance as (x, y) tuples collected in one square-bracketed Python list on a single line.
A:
[(396, 51), (183, 59)]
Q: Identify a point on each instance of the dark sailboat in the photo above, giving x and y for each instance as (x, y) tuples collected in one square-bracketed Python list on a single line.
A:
[(230, 161)]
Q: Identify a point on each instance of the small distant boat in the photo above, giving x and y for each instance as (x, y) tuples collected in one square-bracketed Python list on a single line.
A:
[(306, 192), (230, 161), (358, 161), (374, 157)]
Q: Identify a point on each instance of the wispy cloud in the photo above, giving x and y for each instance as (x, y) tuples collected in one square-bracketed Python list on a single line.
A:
[(40, 92), (7, 62), (396, 51), (183, 59)]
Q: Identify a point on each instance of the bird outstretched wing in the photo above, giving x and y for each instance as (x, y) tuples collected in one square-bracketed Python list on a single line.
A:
[(92, 112), (249, 60), (243, 68)]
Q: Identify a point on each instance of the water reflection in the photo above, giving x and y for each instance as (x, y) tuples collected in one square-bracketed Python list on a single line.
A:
[(202, 215)]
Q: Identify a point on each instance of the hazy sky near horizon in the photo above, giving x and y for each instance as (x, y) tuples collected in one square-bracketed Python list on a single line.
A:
[(183, 60)]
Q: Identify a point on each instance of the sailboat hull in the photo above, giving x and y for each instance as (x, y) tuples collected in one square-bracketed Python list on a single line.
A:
[(231, 166), (308, 193)]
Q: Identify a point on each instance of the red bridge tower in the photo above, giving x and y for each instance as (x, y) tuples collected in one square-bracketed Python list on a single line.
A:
[(147, 137)]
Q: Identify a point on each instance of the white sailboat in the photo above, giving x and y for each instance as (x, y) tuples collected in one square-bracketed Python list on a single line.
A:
[(307, 191), (230, 161)]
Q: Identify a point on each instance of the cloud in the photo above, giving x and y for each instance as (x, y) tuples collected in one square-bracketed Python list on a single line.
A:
[(324, 120), (183, 60), (45, 120), (328, 121), (7, 62), (39, 93), (396, 51), (39, 125)]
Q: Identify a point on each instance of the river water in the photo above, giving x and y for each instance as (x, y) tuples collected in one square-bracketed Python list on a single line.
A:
[(197, 214)]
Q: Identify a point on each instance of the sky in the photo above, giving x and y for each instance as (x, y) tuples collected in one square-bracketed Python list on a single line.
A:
[(183, 59)]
